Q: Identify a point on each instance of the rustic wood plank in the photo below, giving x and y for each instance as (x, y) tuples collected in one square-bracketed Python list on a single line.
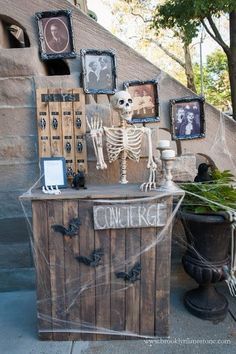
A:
[(163, 258), (93, 192), (147, 295), (103, 272), (57, 271), (87, 273), (68, 132), (80, 131), (43, 125), (55, 131), (41, 257), (117, 285), (133, 289), (72, 272)]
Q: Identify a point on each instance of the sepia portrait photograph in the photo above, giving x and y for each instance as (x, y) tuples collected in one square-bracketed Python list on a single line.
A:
[(187, 118), (145, 100), (55, 34), (99, 71)]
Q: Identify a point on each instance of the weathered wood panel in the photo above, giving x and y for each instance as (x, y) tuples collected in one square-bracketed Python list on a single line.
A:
[(163, 258), (43, 283), (103, 284), (147, 294), (55, 125), (43, 125), (89, 301), (57, 270), (72, 272), (87, 274), (132, 308), (117, 285)]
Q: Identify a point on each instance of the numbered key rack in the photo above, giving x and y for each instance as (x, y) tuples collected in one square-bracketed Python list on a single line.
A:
[(62, 126)]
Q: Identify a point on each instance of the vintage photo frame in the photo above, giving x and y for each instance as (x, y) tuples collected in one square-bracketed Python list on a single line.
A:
[(187, 118), (55, 34), (53, 170), (98, 71), (145, 100)]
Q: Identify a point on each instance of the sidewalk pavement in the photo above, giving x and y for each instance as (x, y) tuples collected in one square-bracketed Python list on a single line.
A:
[(188, 334)]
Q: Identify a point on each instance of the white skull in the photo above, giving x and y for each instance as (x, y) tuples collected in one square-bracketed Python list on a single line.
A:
[(123, 104)]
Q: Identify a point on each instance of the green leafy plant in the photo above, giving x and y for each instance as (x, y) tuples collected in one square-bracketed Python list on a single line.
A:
[(209, 197)]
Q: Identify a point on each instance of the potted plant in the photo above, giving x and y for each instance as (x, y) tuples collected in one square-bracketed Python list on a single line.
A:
[(205, 215)]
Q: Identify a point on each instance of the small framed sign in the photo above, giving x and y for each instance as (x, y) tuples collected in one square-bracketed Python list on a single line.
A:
[(187, 118), (99, 71), (55, 34), (53, 170), (145, 100)]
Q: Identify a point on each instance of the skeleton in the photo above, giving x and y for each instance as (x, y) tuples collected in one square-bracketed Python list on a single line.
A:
[(122, 142)]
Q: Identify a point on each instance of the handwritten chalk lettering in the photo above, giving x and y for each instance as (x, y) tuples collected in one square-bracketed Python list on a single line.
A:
[(122, 216)]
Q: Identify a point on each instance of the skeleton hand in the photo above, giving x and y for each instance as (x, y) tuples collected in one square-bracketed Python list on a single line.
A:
[(96, 132), (151, 184)]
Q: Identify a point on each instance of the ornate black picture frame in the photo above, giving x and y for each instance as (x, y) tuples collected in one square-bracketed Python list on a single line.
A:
[(99, 71), (55, 34), (187, 118), (53, 170), (145, 100)]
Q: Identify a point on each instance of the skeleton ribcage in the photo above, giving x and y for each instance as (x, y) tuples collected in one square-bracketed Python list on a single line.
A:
[(128, 140)]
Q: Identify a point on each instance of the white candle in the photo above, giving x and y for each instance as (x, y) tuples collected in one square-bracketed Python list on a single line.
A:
[(163, 144), (168, 154)]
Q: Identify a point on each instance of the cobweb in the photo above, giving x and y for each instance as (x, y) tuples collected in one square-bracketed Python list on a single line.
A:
[(82, 301)]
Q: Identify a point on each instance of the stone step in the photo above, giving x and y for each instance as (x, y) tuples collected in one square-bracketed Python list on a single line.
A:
[(15, 255), (17, 279)]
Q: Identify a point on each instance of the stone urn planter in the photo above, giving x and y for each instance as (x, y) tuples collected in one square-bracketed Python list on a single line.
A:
[(208, 237)]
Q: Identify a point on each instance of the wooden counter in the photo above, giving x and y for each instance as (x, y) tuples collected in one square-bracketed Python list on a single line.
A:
[(79, 301)]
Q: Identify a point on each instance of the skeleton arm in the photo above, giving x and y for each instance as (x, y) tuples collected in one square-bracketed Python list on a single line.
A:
[(96, 132), (151, 163)]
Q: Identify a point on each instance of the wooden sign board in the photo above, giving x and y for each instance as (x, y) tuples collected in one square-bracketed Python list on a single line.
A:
[(133, 215)]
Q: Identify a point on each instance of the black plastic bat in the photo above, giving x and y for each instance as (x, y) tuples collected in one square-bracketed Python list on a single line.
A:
[(72, 229), (93, 260), (132, 275)]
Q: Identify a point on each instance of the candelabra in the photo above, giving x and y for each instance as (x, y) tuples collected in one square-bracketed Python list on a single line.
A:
[(163, 145), (167, 158)]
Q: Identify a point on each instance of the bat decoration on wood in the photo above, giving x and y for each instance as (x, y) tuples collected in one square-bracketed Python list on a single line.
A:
[(93, 260), (132, 275), (72, 229)]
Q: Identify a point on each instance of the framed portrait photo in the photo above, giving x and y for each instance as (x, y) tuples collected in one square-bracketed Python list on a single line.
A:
[(187, 118), (145, 100), (98, 71), (53, 170), (55, 34)]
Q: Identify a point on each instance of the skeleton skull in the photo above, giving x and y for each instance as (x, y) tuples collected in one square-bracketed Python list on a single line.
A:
[(123, 104)]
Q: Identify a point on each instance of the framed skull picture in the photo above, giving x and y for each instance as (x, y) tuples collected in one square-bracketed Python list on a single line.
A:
[(55, 34), (145, 100), (99, 71), (187, 118)]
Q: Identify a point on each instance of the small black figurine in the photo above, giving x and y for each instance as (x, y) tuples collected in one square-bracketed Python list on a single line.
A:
[(79, 179), (203, 174), (93, 260), (132, 275), (72, 229)]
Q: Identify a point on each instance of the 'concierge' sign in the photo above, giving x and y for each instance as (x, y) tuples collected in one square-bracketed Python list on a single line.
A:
[(122, 216)]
